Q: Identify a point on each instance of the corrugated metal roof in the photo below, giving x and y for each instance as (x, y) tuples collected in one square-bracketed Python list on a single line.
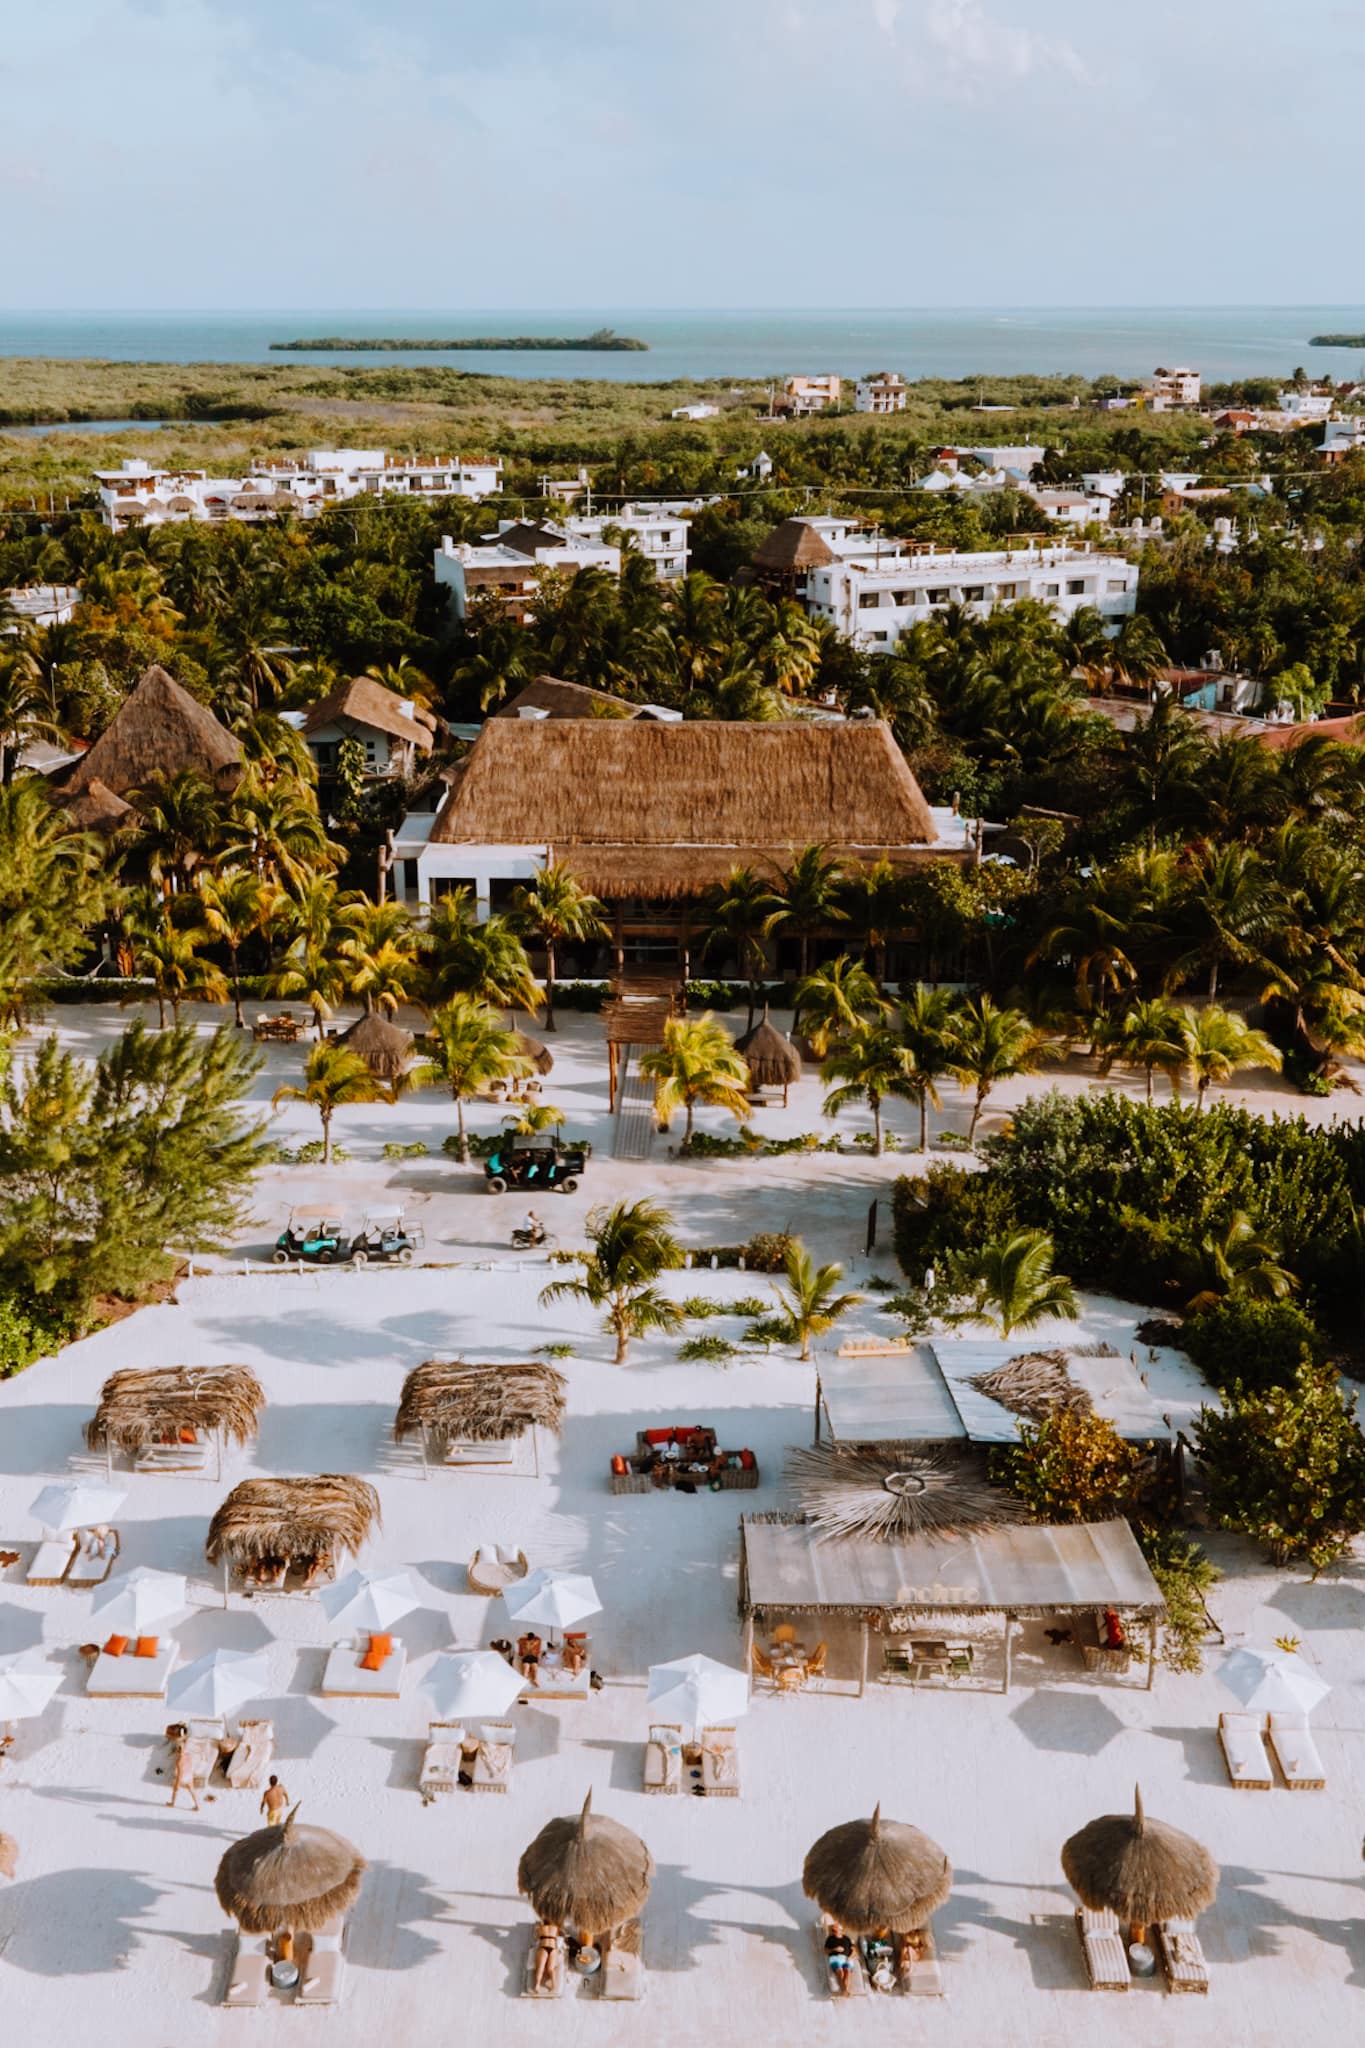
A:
[(900, 1398)]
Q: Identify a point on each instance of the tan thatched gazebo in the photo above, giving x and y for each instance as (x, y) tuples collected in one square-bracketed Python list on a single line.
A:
[(472, 1414), (289, 1880), (782, 559), (890, 1493), (172, 1405), (528, 1048), (96, 809), (870, 1875), (269, 1527), (1144, 1870), (158, 731), (770, 1056), (384, 1046), (587, 1873)]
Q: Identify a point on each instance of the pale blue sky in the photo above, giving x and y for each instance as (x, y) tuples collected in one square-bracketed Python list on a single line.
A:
[(680, 153)]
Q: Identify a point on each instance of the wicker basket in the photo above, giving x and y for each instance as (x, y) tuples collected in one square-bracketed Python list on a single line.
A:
[(1097, 1656)]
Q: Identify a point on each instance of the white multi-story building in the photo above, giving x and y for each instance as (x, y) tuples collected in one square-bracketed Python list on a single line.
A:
[(801, 395), (1175, 387), (1341, 438), (1072, 508), (139, 493), (1021, 458), (509, 563), (659, 532), (1303, 407), (880, 391)]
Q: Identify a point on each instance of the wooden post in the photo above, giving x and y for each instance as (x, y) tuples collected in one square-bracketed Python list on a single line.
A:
[(862, 1669), (1009, 1631), (817, 1408), (749, 1643), (1151, 1652), (225, 1580)]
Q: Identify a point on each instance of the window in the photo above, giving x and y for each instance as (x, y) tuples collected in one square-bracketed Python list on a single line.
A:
[(975, 593), (1116, 586), (939, 596), (1052, 590), (325, 753), (883, 637), (1076, 587), (868, 599)]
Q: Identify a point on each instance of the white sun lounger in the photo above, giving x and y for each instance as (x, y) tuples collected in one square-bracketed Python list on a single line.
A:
[(1296, 1753), (622, 1974), (323, 1967), (663, 1758), (441, 1759), (719, 1763), (255, 1748), (926, 1977), (1182, 1956), (1106, 1959), (248, 1977), (51, 1562), (173, 1457), (494, 1757), (344, 1679), (1244, 1753), (92, 1571), (129, 1677)]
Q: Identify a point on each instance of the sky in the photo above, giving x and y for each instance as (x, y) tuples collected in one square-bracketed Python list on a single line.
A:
[(680, 153)]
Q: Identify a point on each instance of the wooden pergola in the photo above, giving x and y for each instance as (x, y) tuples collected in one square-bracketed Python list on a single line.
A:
[(639, 1007)]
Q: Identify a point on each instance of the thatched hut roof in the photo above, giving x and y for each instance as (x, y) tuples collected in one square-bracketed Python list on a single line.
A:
[(869, 1874), (157, 731), (528, 1048), (892, 1493), (558, 699), (362, 701), (95, 808), (637, 808), (586, 1872), (479, 1404), (293, 1518), (1035, 1384), (138, 1408), (290, 1876), (770, 1056), (1143, 1870), (795, 544), (384, 1046)]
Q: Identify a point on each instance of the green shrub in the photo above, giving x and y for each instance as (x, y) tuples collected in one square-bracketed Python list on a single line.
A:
[(709, 1349), (1259, 1343), (698, 1307), (747, 1305), (768, 1330), (27, 1332), (1184, 1575), (947, 1210), (555, 1350), (765, 1253), (1071, 1468), (1286, 1467), (309, 1154), (417, 1150)]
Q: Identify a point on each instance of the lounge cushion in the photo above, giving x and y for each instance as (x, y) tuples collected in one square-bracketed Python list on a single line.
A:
[(146, 1646), (380, 1646), (116, 1646), (373, 1660)]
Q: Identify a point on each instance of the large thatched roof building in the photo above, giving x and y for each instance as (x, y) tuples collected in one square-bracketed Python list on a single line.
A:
[(158, 731), (552, 697)]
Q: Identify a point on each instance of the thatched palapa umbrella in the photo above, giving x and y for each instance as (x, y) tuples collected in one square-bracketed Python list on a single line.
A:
[(384, 1046), (1143, 1870), (874, 1874), (480, 1404), (528, 1048), (289, 1879), (293, 1518), (771, 1058), (888, 1495), (154, 1405), (586, 1872)]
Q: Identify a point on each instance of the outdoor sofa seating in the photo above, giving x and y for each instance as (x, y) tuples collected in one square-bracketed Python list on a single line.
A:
[(369, 1666), (1244, 1752), (1182, 1957), (663, 1758), (1296, 1753), (1104, 1641), (1106, 1958), (492, 1568), (684, 1455), (138, 1670)]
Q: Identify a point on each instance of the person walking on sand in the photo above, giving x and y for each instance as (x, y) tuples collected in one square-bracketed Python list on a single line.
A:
[(184, 1777), (274, 1802)]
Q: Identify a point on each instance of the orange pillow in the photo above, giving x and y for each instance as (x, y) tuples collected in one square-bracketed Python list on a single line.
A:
[(381, 1646), (188, 1435), (372, 1660), (146, 1646), (116, 1646)]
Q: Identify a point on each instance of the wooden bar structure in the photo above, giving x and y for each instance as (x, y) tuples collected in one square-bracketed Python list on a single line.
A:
[(638, 1008)]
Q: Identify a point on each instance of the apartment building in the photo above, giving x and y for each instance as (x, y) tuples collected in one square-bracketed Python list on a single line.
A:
[(139, 493), (803, 395), (658, 531), (1341, 438), (1072, 508), (1168, 388), (509, 563), (880, 391)]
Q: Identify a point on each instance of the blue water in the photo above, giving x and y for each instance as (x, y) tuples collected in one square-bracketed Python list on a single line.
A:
[(1223, 342), (94, 426)]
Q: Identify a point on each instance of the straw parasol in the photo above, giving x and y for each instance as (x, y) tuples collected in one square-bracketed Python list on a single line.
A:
[(293, 1518), (586, 1872), (1035, 1384), (289, 1877), (528, 1048), (158, 730), (870, 1874), (479, 1404), (1143, 1870), (889, 1495), (384, 1046), (770, 1056), (138, 1408)]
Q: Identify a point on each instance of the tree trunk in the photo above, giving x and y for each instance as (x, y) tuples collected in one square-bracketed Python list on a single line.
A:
[(238, 1019), (805, 954), (805, 1343), (924, 1121), (1202, 1091), (1213, 979), (160, 1008), (622, 1343), (549, 985), (977, 1108), (326, 1116), (875, 1104), (464, 1142), (1149, 1082), (687, 1129)]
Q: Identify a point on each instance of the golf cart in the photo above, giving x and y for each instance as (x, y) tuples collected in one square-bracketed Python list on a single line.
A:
[(385, 1236), (313, 1233), (520, 1164)]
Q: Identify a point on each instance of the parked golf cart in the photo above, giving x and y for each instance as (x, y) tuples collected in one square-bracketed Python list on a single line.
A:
[(385, 1236), (519, 1164), (314, 1233)]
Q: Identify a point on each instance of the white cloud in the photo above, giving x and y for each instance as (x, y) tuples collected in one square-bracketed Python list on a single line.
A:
[(884, 13), (978, 48)]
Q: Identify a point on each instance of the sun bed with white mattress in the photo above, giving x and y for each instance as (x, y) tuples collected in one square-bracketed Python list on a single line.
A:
[(494, 1757), (1106, 1959), (1296, 1753), (248, 1978), (441, 1759), (88, 1570), (255, 1747), (857, 1976), (323, 1967), (51, 1562), (926, 1975), (129, 1677), (345, 1679), (1182, 1956), (1244, 1752), (719, 1763)]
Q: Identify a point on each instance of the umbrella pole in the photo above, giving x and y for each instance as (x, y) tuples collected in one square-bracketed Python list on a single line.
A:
[(1009, 1633), (862, 1669)]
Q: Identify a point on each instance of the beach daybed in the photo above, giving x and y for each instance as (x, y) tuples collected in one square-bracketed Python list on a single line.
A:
[(554, 1679), (136, 1671), (323, 1966), (269, 1531), (1244, 1752), (92, 1567), (1182, 1957), (492, 1568), (441, 1759), (51, 1561), (367, 1666), (553, 1987), (685, 1456), (173, 1457), (464, 1414), (248, 1977), (1106, 1959), (1296, 1753), (494, 1757), (663, 1758), (250, 1760), (166, 1418), (719, 1763)]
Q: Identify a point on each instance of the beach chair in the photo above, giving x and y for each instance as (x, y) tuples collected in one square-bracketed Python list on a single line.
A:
[(719, 1763), (663, 1758), (248, 1977), (441, 1760), (494, 1757), (815, 1663), (857, 1975), (762, 1662), (87, 1569), (1296, 1753), (926, 1974), (1106, 1959), (1182, 1957), (554, 1986), (1244, 1752), (202, 1751), (51, 1562), (323, 1967), (251, 1758), (176, 1457), (622, 1974), (492, 1568)]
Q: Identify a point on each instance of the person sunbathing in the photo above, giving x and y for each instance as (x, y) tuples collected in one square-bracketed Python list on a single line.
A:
[(549, 1943), (184, 1777), (839, 1957), (574, 1657), (529, 1648)]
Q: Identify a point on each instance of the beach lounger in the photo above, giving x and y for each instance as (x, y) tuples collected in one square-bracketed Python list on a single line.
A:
[(202, 1752), (441, 1759), (1106, 1959), (492, 1568), (622, 1974), (926, 1977), (172, 1458), (857, 1976), (1296, 1753), (346, 1678), (129, 1677), (1182, 1958), (719, 1763), (92, 1570), (494, 1757), (248, 1977), (323, 1967), (51, 1562), (1244, 1753), (663, 1758), (249, 1761), (555, 1987)]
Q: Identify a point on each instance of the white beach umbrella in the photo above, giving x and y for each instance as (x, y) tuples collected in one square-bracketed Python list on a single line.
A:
[(554, 1599), (27, 1683), (77, 1504), (139, 1600), (373, 1600), (469, 1683), (1272, 1682), (698, 1691), (219, 1682)]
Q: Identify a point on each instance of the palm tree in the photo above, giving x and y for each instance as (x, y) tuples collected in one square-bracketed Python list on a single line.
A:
[(485, 960), (274, 826), (1151, 1035), (181, 826), (834, 1000), (379, 954), (532, 1118), (1010, 1282), (334, 1078), (1238, 1263), (166, 947), (313, 966), (868, 1065), (810, 890), (236, 906), (632, 1244), (925, 1028), (1225, 906), (1164, 753), (991, 1045), (24, 712), (876, 902), (697, 1062), (553, 908), (469, 1048), (809, 1303), (740, 913), (1218, 1043)]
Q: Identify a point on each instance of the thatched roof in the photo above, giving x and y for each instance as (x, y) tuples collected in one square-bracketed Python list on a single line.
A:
[(1143, 1870), (291, 1876), (770, 1056), (528, 1048), (586, 1872), (633, 807), (363, 701), (870, 1874), (793, 545), (566, 700), (157, 731), (1035, 1385), (138, 1408), (94, 808), (891, 1494), (384, 1046), (479, 1403), (293, 1518)]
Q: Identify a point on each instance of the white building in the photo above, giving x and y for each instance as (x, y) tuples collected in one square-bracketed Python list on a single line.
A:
[(881, 391), (509, 563), (1341, 438), (1072, 508), (1023, 458), (1303, 407), (658, 532), (38, 604), (699, 411), (139, 493), (1174, 387), (1104, 483), (757, 471), (803, 395)]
